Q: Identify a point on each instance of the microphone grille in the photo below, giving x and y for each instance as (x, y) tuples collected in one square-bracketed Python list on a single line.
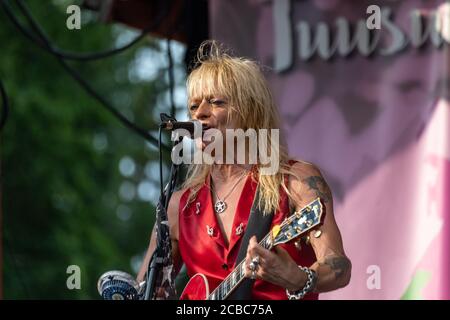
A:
[(117, 285)]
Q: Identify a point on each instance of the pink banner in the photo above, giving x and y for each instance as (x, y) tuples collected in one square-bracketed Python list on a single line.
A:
[(363, 92)]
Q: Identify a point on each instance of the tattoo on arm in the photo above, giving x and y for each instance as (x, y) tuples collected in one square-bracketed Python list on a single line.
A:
[(340, 265), (319, 186)]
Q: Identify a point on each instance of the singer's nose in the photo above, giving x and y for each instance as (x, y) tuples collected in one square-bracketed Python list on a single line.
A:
[(204, 110)]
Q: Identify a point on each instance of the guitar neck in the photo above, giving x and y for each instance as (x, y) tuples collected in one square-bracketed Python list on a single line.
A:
[(232, 281)]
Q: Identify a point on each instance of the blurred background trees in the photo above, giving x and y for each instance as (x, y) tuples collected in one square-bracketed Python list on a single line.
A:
[(78, 187)]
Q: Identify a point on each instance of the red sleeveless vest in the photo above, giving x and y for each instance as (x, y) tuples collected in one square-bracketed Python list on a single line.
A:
[(203, 249)]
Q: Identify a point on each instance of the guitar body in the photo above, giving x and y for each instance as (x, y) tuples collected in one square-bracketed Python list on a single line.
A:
[(196, 289)]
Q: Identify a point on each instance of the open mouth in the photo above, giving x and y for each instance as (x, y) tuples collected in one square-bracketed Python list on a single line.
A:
[(206, 127), (206, 135)]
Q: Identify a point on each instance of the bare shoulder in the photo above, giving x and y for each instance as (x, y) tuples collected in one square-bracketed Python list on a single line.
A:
[(175, 198), (303, 168), (173, 211), (308, 183)]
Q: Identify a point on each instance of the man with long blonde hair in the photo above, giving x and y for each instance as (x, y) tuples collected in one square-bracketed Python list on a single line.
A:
[(209, 215)]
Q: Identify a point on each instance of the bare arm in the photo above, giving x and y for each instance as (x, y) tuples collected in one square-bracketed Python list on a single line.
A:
[(332, 266), (172, 214)]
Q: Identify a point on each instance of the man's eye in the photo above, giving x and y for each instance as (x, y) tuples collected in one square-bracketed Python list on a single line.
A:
[(218, 102), (193, 107)]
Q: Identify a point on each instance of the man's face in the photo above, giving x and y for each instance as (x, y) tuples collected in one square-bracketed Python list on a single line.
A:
[(212, 112)]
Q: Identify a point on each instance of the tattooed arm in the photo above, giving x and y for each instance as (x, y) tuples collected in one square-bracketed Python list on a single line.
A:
[(332, 266)]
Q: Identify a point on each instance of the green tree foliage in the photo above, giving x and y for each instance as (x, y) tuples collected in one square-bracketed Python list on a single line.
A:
[(64, 199)]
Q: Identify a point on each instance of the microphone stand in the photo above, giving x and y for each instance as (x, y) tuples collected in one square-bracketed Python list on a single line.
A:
[(156, 262)]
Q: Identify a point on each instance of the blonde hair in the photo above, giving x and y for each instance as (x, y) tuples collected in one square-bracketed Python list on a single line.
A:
[(251, 104)]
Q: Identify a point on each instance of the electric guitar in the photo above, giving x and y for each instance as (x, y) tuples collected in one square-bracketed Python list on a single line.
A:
[(292, 227)]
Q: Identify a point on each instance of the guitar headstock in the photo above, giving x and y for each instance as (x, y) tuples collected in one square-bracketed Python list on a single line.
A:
[(298, 223)]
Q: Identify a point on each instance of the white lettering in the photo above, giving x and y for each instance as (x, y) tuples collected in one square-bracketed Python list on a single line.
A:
[(374, 21), (374, 280), (74, 20)]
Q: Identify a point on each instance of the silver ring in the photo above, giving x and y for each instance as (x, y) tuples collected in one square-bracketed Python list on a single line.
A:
[(254, 263)]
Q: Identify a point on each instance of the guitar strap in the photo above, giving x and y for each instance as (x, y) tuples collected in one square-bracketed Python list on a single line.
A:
[(258, 225)]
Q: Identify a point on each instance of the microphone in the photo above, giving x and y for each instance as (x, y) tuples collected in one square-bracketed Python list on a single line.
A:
[(190, 126), (119, 285)]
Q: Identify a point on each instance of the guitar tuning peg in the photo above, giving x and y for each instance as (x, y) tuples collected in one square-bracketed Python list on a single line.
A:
[(307, 240), (317, 233), (298, 245)]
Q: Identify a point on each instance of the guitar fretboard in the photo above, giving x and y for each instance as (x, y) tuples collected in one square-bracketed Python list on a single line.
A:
[(236, 276)]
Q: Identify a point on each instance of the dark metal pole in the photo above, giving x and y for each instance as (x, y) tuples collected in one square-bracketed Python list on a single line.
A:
[(157, 259)]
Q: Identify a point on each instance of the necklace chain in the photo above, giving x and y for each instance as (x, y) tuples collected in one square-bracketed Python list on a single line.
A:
[(220, 205)]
